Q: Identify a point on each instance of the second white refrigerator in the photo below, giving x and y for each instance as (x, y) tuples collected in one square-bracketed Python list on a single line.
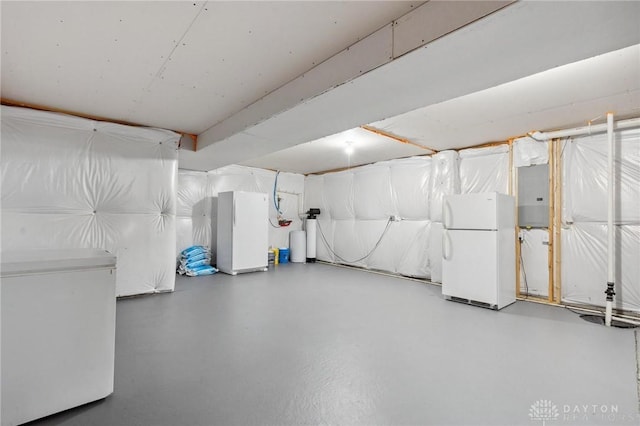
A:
[(478, 249), (242, 240)]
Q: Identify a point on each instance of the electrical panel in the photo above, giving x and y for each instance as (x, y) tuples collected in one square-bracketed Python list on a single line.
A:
[(533, 196)]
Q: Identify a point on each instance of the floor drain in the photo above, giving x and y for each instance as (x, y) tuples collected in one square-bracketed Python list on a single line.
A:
[(598, 319)]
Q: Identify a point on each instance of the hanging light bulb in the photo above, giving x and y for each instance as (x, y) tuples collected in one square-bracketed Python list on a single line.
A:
[(349, 148)]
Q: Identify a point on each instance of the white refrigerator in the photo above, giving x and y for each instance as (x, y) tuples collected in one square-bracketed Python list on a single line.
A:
[(478, 249), (242, 240)]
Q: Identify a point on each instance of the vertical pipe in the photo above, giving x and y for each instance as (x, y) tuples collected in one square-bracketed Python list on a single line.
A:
[(610, 231)]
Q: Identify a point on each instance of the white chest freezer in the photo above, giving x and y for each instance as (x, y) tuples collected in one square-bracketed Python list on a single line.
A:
[(58, 330)]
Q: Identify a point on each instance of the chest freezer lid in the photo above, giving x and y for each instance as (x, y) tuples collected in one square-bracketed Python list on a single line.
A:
[(45, 260)]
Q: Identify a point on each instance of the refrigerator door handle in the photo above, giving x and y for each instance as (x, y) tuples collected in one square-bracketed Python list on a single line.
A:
[(445, 237), (234, 212), (446, 214)]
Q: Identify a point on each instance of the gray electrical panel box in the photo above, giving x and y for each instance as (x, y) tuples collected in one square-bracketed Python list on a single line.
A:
[(533, 196)]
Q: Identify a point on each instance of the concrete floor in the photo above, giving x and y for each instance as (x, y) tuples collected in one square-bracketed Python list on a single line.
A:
[(318, 344)]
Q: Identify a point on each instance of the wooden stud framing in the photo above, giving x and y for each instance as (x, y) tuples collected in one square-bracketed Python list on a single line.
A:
[(396, 138), (11, 102), (550, 248), (488, 144), (513, 190), (557, 226)]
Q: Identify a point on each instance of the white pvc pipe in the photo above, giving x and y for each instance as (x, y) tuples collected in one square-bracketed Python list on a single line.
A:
[(610, 230), (586, 130)]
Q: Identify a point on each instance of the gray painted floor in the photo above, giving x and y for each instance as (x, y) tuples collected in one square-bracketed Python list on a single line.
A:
[(318, 344)]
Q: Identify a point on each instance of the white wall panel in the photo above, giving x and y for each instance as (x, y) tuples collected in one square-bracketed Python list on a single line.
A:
[(584, 237), (410, 186), (391, 248), (357, 206), (586, 178), (435, 251), (193, 221), (445, 180), (372, 193), (484, 170), (338, 194), (529, 152), (314, 195), (584, 265), (325, 239), (412, 255), (69, 182), (348, 246), (198, 191), (369, 233), (534, 268)]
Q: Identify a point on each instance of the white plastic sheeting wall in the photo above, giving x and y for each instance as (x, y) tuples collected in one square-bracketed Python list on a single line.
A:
[(197, 208), (356, 205), (529, 152), (69, 182), (445, 180), (534, 263), (485, 169), (584, 232)]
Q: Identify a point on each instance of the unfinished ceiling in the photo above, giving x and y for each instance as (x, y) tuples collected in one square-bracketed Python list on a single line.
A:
[(343, 150), (566, 96), (255, 78), (178, 65)]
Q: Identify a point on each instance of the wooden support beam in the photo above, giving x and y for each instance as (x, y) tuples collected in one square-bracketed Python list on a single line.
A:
[(396, 138), (11, 102), (488, 144)]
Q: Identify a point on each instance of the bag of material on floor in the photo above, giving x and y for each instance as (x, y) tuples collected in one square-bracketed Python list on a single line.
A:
[(194, 251), (195, 258), (201, 270), (195, 261)]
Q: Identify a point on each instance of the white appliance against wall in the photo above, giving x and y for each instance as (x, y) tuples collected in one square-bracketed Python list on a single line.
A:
[(242, 240), (298, 246), (58, 330), (478, 253), (311, 229)]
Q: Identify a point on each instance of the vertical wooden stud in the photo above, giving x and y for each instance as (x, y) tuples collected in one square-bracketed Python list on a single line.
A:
[(513, 190), (557, 248), (551, 295)]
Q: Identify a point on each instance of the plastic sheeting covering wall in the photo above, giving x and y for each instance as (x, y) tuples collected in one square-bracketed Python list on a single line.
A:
[(485, 169), (530, 152), (69, 182), (584, 232), (197, 208), (356, 205), (534, 263)]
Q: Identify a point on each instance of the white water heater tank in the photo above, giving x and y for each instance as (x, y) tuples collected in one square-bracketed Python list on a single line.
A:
[(298, 246)]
